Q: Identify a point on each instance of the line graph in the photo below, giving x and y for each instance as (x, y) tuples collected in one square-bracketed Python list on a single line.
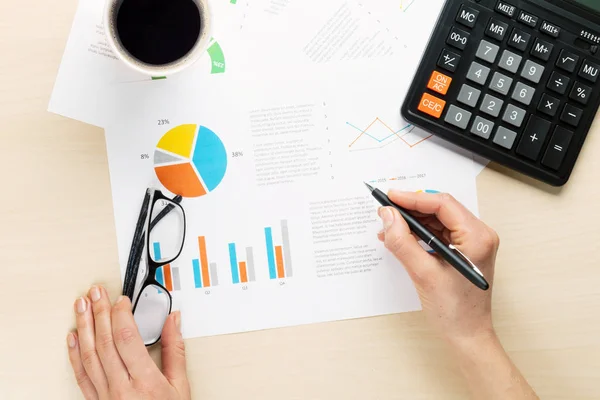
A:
[(378, 134)]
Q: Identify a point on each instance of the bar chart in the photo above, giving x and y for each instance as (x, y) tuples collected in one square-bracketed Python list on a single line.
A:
[(279, 257), (241, 271), (167, 275), (205, 273)]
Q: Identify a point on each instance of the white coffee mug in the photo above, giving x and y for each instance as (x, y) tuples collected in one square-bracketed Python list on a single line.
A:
[(110, 25)]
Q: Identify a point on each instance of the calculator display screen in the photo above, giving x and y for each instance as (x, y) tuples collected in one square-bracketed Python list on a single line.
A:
[(593, 4)]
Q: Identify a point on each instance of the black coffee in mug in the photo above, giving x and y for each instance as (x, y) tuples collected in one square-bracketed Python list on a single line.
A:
[(159, 32)]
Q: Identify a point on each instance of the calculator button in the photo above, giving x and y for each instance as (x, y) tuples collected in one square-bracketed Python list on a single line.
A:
[(514, 115), (589, 71), (558, 83), (482, 128), (431, 105), (458, 117), (467, 16), (505, 138), (567, 61), (501, 83), (468, 95), (548, 105), (496, 29), (519, 39), (581, 93), (458, 38), (528, 19), (507, 9), (550, 29), (478, 73), (523, 93), (557, 148), (533, 138), (532, 71), (448, 60), (542, 49), (487, 51), (571, 115), (491, 105), (510, 61), (439, 82)]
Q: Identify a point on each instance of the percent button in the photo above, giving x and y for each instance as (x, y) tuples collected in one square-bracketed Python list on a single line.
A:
[(581, 93)]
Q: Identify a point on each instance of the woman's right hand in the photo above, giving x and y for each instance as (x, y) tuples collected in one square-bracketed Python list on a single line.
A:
[(457, 309)]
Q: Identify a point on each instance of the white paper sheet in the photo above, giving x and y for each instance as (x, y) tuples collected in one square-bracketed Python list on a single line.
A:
[(89, 68), (296, 153), (258, 36)]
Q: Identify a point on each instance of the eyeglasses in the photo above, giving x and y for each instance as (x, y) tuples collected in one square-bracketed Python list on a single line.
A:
[(160, 230)]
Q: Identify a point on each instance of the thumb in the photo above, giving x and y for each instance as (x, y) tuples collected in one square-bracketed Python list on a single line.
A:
[(173, 352), (400, 242)]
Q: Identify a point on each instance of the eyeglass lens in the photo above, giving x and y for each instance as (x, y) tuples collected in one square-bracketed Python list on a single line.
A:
[(151, 311), (166, 236)]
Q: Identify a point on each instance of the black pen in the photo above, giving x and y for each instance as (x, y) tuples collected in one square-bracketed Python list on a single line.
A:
[(449, 253)]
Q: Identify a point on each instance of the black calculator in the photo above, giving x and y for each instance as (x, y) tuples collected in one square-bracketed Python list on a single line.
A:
[(517, 82)]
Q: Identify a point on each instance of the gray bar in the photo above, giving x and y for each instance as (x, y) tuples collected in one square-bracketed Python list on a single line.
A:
[(250, 264), (214, 278), (175, 273), (287, 253)]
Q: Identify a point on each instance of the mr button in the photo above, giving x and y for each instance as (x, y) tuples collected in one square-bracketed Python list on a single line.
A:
[(431, 105)]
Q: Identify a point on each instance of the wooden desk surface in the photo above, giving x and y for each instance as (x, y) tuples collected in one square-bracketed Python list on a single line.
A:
[(57, 237)]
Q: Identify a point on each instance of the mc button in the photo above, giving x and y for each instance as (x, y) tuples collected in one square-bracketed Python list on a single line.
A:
[(467, 16)]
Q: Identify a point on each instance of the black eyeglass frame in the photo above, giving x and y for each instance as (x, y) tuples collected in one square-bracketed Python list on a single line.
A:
[(141, 240)]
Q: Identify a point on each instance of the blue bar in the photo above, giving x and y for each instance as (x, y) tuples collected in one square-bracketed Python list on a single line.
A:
[(159, 272), (157, 254), (197, 279), (270, 255), (235, 273)]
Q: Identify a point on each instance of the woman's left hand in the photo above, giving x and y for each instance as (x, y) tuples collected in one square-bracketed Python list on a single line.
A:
[(109, 358)]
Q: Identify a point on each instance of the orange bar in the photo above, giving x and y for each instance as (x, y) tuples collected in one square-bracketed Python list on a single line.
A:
[(243, 272), (204, 261), (279, 258), (168, 280)]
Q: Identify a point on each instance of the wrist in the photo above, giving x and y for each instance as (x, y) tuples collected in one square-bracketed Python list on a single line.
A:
[(475, 342)]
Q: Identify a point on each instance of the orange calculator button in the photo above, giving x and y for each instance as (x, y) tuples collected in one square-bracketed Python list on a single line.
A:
[(431, 105), (439, 82)]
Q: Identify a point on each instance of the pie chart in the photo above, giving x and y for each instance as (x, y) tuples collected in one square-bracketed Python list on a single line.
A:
[(190, 160)]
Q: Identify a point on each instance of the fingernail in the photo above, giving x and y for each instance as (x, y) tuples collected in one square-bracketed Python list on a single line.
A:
[(95, 293), (387, 216), (71, 342), (119, 299), (80, 305), (178, 320)]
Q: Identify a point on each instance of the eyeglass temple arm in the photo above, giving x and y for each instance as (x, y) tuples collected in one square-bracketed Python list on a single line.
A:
[(132, 267)]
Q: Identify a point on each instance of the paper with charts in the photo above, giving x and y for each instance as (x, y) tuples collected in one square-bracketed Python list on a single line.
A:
[(280, 229), (249, 36), (252, 37)]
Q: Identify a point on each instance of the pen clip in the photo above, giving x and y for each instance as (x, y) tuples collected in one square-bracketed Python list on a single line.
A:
[(464, 257)]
